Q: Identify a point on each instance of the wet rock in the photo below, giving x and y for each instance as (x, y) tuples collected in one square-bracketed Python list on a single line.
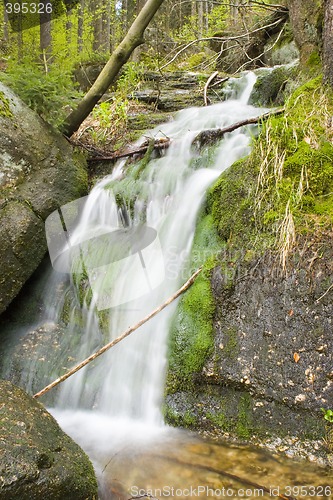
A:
[(39, 171), (272, 86), (38, 460)]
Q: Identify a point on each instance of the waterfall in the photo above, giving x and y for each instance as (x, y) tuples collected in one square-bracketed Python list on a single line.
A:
[(161, 198)]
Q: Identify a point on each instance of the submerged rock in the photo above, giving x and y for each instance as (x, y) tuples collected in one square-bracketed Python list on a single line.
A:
[(39, 172), (38, 460)]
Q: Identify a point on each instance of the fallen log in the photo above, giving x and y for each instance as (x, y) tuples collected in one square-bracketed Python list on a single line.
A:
[(202, 139), (156, 144), (125, 334), (209, 136)]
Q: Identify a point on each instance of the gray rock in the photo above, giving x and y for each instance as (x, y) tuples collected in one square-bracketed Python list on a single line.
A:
[(39, 171), (38, 460)]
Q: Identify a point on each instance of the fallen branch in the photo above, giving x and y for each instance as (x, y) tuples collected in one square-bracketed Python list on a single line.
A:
[(125, 334), (158, 144), (222, 39), (208, 136), (210, 79), (203, 138)]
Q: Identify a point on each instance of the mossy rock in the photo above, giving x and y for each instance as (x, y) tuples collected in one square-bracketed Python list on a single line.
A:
[(39, 172), (271, 87), (38, 460)]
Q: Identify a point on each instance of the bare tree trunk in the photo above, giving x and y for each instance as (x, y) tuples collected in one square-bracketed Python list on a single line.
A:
[(97, 25), (5, 26), (45, 37), (200, 19), (120, 56), (69, 26), (80, 22), (328, 43), (19, 39), (106, 29)]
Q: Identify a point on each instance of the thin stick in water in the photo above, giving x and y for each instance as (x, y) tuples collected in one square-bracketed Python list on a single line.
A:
[(125, 334)]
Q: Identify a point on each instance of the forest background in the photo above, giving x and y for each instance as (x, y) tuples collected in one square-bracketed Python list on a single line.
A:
[(40, 62)]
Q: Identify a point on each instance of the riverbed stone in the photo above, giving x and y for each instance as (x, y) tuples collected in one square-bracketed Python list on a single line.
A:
[(39, 172), (38, 460)]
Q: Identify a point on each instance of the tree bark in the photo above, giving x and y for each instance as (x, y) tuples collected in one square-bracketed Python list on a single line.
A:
[(80, 24), (328, 43), (45, 36), (120, 56)]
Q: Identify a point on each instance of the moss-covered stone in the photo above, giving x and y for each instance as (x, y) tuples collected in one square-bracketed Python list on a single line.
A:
[(270, 86), (39, 172), (191, 337), (250, 383), (37, 458), (5, 111)]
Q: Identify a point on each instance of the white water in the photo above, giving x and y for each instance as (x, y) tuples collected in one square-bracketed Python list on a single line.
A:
[(121, 393)]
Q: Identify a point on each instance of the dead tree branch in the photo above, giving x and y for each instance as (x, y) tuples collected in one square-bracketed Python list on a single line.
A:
[(221, 39), (202, 139), (209, 136), (210, 79), (158, 145), (121, 337)]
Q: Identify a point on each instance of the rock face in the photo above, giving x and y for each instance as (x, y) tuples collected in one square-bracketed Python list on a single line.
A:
[(38, 460), (39, 171), (269, 367), (306, 17), (252, 356)]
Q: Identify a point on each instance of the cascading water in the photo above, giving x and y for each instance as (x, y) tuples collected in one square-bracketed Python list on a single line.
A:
[(128, 381), (112, 407)]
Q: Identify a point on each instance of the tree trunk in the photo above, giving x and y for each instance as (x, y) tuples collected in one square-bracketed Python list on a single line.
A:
[(69, 26), (5, 26), (45, 36), (119, 57), (80, 24), (328, 43)]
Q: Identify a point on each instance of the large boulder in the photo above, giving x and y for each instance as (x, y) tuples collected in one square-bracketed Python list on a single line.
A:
[(38, 460), (39, 172)]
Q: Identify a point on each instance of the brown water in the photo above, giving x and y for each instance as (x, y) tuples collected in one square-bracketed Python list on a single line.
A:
[(180, 465)]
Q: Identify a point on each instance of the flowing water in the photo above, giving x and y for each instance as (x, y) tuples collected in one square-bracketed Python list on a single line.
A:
[(137, 227)]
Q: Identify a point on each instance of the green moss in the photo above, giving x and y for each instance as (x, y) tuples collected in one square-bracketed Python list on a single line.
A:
[(231, 348), (221, 421), (186, 420), (230, 201), (245, 426), (269, 87), (314, 61), (291, 165), (191, 338), (5, 110)]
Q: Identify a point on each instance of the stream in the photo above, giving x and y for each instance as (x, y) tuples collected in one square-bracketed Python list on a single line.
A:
[(127, 249)]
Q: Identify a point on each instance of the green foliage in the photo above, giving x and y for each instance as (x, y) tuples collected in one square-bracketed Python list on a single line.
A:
[(47, 94), (328, 415), (110, 119), (130, 79), (218, 19)]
